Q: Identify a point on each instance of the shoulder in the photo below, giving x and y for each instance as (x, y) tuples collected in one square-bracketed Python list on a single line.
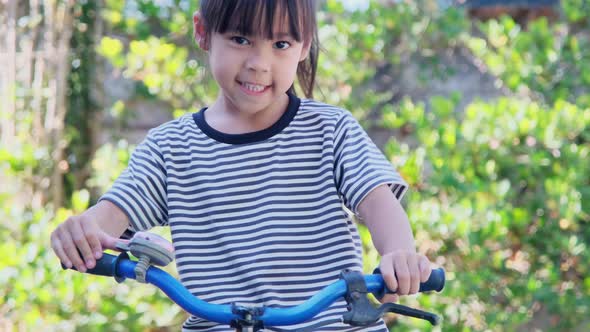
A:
[(179, 127), (326, 112)]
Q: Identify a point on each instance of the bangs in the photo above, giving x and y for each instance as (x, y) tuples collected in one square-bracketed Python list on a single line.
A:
[(257, 17)]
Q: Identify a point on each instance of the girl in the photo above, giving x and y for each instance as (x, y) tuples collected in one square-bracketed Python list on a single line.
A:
[(255, 188)]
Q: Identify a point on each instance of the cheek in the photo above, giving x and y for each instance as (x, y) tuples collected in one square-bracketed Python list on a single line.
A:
[(221, 69), (289, 67)]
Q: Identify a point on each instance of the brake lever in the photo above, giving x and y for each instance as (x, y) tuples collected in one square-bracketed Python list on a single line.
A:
[(411, 312)]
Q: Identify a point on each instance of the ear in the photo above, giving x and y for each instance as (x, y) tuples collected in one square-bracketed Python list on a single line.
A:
[(305, 51), (200, 34)]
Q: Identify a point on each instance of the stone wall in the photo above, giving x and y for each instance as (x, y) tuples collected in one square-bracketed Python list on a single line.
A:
[(468, 78), (144, 114)]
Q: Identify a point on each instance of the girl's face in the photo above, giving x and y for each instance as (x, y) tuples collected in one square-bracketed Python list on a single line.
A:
[(253, 72)]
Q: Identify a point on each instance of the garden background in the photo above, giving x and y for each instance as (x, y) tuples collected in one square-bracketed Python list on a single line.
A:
[(488, 120)]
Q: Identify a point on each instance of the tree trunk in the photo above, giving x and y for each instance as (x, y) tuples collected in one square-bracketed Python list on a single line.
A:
[(34, 66)]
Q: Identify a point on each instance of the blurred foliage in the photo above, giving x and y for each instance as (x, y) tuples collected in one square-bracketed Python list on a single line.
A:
[(502, 200), (548, 61), (365, 51), (81, 80), (152, 43), (500, 193)]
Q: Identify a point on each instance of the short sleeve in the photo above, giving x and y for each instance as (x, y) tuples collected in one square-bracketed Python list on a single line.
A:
[(360, 166), (140, 191)]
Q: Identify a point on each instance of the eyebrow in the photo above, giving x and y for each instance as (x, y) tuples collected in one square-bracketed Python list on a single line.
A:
[(276, 35), (279, 35)]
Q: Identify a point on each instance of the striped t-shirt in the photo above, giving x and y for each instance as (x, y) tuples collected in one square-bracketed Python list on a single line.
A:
[(258, 218)]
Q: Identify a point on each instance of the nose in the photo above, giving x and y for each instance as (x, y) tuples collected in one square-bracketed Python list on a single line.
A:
[(259, 60)]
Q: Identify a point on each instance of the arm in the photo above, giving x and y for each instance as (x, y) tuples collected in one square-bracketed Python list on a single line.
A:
[(387, 221), (392, 237), (109, 218)]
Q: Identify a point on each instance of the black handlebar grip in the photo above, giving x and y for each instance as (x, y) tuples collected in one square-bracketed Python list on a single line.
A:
[(105, 266), (436, 282)]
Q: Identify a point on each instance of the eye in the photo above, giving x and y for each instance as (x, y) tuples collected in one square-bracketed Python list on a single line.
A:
[(240, 40), (282, 45)]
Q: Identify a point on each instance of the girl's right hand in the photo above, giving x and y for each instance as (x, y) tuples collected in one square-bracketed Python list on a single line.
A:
[(81, 235)]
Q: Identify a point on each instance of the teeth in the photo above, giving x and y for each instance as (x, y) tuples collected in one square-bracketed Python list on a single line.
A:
[(253, 87)]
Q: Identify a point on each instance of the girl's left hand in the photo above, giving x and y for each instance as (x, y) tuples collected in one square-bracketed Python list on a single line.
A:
[(409, 267)]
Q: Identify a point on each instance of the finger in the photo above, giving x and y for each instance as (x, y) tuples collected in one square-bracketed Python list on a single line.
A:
[(71, 251), (414, 274), (388, 273), (403, 275), (92, 238), (79, 239), (59, 251), (425, 269), (389, 298)]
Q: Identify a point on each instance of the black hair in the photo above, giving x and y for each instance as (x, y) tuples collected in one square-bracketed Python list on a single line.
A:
[(243, 16)]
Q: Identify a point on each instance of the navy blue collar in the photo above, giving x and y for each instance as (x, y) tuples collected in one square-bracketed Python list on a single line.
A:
[(252, 137)]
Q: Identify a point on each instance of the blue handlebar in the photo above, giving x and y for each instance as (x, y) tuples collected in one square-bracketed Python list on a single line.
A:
[(120, 267)]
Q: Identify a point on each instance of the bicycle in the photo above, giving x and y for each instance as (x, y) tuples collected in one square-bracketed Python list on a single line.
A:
[(353, 286)]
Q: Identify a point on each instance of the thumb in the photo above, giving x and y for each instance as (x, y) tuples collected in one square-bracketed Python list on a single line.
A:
[(110, 242), (389, 298)]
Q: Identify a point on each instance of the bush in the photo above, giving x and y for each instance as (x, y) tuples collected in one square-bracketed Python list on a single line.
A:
[(502, 202)]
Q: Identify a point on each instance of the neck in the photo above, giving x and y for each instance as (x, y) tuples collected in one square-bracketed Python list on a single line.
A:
[(226, 117)]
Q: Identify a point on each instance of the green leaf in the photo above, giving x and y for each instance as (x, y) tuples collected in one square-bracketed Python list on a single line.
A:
[(80, 200), (110, 47)]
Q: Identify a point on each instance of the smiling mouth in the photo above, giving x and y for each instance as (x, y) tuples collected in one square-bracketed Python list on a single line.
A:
[(253, 87)]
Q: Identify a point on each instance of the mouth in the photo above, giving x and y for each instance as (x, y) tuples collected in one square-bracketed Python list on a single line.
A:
[(253, 88)]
